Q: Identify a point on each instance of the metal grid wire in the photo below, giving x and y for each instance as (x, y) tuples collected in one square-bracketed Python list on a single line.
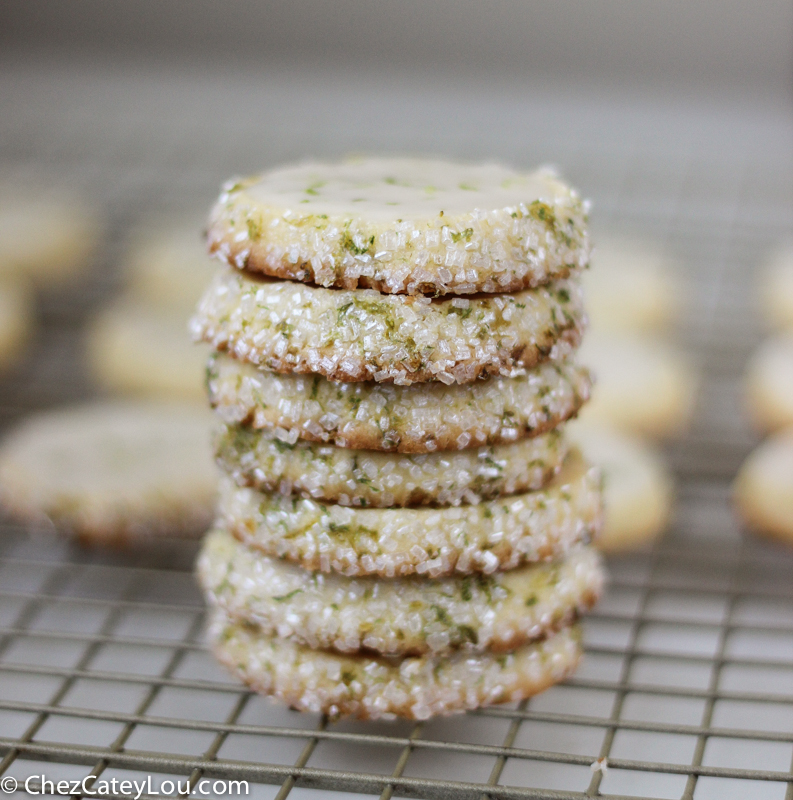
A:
[(686, 690)]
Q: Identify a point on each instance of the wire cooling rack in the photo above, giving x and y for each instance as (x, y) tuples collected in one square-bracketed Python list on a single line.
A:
[(686, 690)]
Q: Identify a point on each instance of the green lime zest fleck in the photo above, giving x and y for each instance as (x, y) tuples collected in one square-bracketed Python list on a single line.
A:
[(464, 234), (284, 597)]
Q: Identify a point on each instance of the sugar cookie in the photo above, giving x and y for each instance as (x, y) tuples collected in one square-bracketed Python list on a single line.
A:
[(379, 480), (403, 225), (402, 616), (111, 472), (369, 687), (362, 335), (421, 418), (497, 534)]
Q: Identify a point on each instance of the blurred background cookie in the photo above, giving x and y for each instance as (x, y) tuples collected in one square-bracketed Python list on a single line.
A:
[(776, 291), (631, 286), (643, 385), (134, 349), (763, 490), (111, 472), (45, 237), (638, 486), (17, 319), (769, 383), (167, 266), (139, 344)]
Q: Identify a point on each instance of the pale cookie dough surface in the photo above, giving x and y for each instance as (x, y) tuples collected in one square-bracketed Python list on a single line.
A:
[(769, 383), (111, 472), (17, 320), (632, 286), (168, 268), (379, 480), (764, 488), (637, 486), (403, 616), (370, 687), (136, 350), (422, 418), (643, 385), (45, 237), (363, 335), (776, 290), (402, 225), (497, 534)]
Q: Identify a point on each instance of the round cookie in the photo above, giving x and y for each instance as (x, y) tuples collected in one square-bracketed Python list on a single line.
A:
[(380, 480), (632, 287), (495, 535), (642, 385), (360, 334), (769, 383), (403, 225), (776, 290), (370, 687), (45, 237), (404, 616), (111, 472), (16, 322), (637, 486), (422, 418), (168, 268), (764, 488), (135, 350)]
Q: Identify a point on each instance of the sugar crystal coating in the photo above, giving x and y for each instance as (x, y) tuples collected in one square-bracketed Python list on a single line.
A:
[(364, 335), (369, 687), (401, 225), (404, 616)]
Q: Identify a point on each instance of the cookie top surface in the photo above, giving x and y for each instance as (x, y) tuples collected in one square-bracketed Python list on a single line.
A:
[(392, 189), (403, 225)]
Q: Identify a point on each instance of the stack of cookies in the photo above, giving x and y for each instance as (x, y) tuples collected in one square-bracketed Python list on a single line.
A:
[(403, 528)]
